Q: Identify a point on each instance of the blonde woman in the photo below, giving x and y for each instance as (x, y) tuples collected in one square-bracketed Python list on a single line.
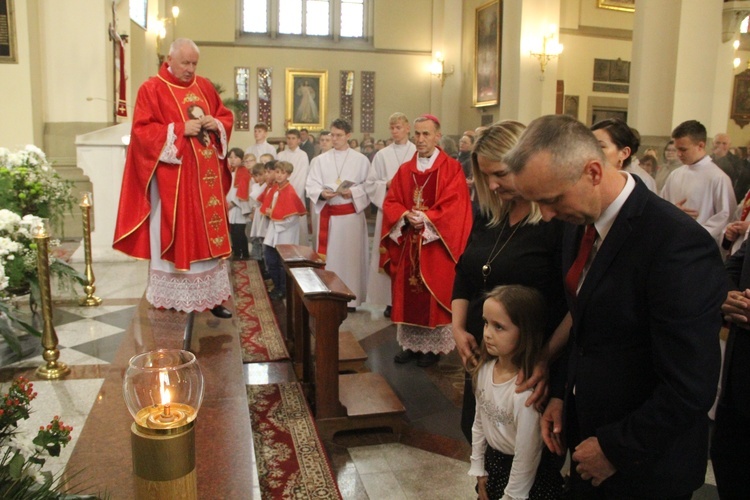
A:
[(510, 244)]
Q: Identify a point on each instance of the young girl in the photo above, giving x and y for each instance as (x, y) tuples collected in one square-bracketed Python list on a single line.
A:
[(506, 454)]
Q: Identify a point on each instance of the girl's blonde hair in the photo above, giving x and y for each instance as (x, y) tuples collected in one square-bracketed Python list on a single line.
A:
[(493, 143), (527, 309)]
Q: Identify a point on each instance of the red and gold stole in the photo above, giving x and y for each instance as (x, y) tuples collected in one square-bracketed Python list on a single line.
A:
[(193, 104)]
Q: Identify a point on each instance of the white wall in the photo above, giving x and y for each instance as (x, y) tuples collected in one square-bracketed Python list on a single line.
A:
[(17, 129)]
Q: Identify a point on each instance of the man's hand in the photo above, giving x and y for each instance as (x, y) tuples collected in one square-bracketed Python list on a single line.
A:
[(736, 230), (482, 488), (551, 423), (466, 345), (346, 193), (736, 308), (209, 123), (538, 381), (328, 194), (692, 213), (414, 217), (192, 128), (592, 464)]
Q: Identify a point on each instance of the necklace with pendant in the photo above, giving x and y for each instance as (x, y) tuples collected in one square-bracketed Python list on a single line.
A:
[(487, 267), (339, 170)]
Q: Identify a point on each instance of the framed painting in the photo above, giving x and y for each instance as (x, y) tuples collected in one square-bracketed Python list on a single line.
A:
[(488, 33), (7, 32), (306, 96), (741, 99), (621, 5)]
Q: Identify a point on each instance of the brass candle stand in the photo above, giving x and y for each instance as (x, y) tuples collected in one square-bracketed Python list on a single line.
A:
[(52, 369), (90, 299)]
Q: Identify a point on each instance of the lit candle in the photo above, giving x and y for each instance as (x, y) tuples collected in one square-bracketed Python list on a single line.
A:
[(87, 199)]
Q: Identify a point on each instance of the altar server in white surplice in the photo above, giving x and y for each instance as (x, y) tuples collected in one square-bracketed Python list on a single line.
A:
[(383, 168), (336, 186), (699, 187), (294, 155)]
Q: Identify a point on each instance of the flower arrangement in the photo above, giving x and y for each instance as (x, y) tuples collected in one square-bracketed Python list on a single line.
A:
[(21, 459), (18, 270), (29, 185)]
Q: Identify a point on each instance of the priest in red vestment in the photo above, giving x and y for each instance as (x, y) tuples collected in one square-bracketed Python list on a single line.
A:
[(172, 205), (426, 223)]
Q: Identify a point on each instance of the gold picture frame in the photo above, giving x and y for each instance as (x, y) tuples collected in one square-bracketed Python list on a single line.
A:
[(8, 29), (306, 99), (487, 35), (621, 5)]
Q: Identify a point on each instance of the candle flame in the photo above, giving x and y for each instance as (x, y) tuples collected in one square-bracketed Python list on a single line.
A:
[(163, 382)]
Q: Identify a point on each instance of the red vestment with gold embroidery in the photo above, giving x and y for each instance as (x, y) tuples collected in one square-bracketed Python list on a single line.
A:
[(422, 273), (192, 189)]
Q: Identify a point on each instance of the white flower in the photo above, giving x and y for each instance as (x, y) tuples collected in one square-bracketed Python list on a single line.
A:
[(23, 443), (33, 149), (3, 280), (14, 160), (8, 220)]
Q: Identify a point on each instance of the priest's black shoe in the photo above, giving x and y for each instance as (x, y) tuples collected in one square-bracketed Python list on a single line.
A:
[(427, 359), (387, 312), (405, 356), (221, 312)]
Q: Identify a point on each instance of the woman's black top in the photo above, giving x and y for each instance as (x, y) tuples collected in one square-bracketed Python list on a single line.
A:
[(532, 257)]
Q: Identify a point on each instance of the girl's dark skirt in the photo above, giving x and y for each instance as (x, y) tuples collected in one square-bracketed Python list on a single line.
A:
[(548, 484)]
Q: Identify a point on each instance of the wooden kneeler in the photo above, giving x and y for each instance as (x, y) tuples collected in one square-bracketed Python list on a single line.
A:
[(340, 402), (351, 355)]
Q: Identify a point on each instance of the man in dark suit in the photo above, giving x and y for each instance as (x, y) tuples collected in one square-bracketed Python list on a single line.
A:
[(731, 440), (307, 143), (645, 294)]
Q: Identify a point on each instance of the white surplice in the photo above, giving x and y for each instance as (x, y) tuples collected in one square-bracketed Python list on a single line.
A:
[(708, 190), (384, 167), (347, 234)]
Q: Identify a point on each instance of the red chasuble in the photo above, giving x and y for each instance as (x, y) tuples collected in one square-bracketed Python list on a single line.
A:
[(193, 182), (422, 273), (287, 203)]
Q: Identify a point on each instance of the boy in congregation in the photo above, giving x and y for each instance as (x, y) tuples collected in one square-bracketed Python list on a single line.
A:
[(257, 186), (284, 212), (261, 146), (238, 204)]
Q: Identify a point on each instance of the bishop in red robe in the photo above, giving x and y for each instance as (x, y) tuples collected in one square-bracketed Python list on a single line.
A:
[(426, 223), (173, 201)]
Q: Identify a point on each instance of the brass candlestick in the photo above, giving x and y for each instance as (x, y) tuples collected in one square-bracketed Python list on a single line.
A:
[(90, 299), (53, 369)]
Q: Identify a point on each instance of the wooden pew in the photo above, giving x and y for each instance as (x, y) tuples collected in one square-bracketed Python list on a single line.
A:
[(340, 402), (294, 256), (351, 355)]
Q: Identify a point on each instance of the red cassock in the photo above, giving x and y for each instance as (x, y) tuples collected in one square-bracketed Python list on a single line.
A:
[(422, 273), (192, 190)]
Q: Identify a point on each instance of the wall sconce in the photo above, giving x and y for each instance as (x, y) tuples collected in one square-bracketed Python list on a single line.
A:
[(437, 68), (158, 27), (550, 50), (736, 61)]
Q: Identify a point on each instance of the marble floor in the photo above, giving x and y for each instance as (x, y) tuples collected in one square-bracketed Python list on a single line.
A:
[(428, 460)]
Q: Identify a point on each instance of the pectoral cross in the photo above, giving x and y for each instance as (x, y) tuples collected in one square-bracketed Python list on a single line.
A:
[(418, 200)]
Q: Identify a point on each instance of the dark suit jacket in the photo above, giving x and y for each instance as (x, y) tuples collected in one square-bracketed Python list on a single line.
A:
[(644, 347), (309, 148), (736, 383)]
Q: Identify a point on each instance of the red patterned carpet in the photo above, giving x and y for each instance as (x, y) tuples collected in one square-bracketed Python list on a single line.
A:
[(292, 462), (260, 337)]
